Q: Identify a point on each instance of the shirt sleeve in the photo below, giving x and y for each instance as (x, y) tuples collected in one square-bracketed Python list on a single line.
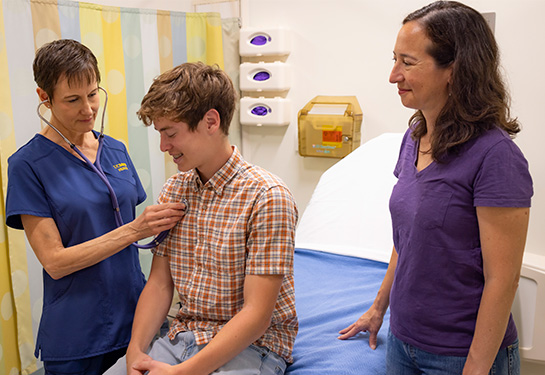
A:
[(271, 239), (503, 179), (139, 188), (25, 195)]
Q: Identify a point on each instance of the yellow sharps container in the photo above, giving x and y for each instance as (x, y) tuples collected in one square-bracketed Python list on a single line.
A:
[(329, 126)]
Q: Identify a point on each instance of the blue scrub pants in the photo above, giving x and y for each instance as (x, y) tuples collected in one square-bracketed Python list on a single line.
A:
[(405, 359), (254, 360), (86, 366)]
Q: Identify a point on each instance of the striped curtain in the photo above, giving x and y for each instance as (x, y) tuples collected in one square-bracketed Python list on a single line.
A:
[(132, 46)]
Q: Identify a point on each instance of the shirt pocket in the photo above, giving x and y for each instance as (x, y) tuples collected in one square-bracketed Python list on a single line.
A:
[(432, 209), (228, 251)]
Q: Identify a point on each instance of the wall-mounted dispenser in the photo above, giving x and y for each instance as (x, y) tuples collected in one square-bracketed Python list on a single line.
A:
[(265, 42), (265, 81), (265, 111), (329, 126), (273, 76)]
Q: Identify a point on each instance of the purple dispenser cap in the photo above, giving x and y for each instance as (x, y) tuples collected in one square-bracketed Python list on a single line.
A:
[(261, 76), (259, 40), (260, 110)]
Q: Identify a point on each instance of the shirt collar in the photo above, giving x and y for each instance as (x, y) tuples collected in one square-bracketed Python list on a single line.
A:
[(218, 181)]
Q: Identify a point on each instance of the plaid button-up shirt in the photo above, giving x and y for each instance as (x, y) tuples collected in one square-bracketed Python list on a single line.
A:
[(241, 222)]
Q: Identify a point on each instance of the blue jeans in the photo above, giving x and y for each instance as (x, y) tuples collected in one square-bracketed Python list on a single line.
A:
[(405, 359), (254, 360)]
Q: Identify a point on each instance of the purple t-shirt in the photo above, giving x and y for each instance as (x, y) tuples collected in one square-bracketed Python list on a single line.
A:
[(439, 274)]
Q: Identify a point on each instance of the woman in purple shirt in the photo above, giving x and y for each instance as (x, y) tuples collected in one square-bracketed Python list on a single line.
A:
[(460, 207)]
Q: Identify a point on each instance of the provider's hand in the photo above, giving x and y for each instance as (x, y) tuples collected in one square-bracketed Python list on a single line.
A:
[(158, 218), (370, 321)]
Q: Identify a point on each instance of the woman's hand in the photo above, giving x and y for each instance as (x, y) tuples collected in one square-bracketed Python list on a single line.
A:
[(370, 321), (158, 218)]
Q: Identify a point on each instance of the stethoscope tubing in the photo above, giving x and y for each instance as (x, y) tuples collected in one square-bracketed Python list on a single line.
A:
[(100, 172)]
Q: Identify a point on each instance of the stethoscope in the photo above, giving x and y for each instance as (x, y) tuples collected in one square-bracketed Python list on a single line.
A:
[(100, 172)]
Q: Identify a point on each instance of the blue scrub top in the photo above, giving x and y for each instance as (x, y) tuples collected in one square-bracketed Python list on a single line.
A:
[(89, 312)]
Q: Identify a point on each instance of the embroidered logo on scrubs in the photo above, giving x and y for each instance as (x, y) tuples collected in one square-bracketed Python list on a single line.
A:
[(121, 167)]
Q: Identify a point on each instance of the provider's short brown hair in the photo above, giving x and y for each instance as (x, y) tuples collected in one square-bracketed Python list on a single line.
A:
[(64, 58)]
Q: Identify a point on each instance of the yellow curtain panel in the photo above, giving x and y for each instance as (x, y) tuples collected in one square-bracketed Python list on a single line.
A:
[(133, 46)]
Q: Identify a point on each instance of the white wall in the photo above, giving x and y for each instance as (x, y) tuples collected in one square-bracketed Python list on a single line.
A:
[(344, 47)]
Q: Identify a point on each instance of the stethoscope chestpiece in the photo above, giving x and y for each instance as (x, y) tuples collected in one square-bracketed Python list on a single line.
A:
[(186, 203)]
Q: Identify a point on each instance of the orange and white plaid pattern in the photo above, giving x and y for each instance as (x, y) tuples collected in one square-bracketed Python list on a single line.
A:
[(241, 222)]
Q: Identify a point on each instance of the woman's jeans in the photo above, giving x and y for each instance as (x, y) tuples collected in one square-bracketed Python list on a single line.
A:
[(405, 359)]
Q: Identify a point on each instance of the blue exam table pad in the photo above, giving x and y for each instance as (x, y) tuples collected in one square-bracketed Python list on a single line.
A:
[(331, 292)]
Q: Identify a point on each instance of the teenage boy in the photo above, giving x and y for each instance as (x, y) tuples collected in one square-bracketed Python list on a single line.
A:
[(230, 258)]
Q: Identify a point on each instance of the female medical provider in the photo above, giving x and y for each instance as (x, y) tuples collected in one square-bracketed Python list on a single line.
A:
[(460, 207), (92, 277)]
